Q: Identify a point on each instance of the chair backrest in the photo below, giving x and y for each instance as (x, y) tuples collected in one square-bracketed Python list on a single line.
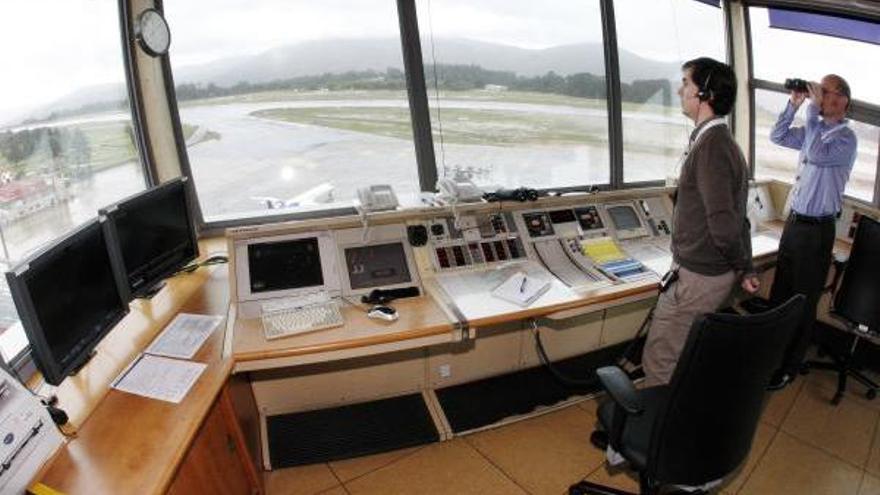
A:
[(858, 295), (705, 429)]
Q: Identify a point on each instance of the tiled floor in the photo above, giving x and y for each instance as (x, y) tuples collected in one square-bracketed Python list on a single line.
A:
[(803, 446)]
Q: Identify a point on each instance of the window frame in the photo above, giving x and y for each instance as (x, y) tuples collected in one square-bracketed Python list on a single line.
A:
[(860, 111), (23, 364)]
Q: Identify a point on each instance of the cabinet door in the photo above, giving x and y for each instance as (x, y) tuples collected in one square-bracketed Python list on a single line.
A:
[(212, 464)]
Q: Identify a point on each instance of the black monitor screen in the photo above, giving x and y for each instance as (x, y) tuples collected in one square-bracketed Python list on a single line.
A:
[(376, 266), (562, 216), (285, 265), (68, 299), (155, 235), (624, 217)]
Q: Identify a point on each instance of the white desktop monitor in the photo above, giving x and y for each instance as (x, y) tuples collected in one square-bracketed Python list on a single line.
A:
[(285, 266), (625, 220), (384, 260)]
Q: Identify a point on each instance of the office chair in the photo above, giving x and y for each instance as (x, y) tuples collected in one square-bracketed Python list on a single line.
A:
[(699, 427), (857, 305)]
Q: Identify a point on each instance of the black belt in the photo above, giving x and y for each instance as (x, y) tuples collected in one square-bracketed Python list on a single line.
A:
[(797, 217)]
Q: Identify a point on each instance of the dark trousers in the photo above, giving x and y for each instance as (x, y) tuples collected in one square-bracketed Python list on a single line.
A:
[(802, 268)]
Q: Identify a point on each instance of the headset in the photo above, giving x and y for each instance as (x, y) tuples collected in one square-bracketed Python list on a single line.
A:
[(705, 94)]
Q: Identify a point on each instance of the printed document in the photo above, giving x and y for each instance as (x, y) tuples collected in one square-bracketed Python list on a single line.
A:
[(183, 337), (159, 377)]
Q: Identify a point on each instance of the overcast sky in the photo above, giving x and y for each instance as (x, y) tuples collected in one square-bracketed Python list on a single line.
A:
[(49, 56)]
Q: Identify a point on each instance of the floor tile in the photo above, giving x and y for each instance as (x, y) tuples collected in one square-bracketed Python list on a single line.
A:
[(854, 389), (452, 467), (565, 457), (339, 490), (845, 430), (793, 467), (300, 480), (350, 469), (590, 405), (779, 403), (763, 436), (870, 485), (873, 465)]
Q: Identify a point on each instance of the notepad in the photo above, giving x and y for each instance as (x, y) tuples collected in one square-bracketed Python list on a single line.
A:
[(602, 250), (521, 289)]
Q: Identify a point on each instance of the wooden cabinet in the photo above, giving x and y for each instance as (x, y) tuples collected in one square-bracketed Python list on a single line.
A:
[(217, 461)]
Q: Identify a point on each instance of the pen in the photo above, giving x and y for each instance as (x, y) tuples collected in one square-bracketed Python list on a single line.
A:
[(522, 286)]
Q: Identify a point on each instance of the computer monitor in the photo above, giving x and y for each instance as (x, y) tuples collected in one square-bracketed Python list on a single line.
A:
[(68, 297), (155, 235), (378, 265), (626, 221), (381, 259), (288, 265)]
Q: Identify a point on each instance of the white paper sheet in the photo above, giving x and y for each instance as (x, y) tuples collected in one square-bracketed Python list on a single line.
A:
[(469, 290), (183, 337), (159, 377)]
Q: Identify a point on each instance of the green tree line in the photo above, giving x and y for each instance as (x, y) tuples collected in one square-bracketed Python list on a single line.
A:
[(66, 149), (447, 77)]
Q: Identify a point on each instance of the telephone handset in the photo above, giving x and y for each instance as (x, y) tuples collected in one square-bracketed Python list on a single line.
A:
[(377, 197), (459, 191)]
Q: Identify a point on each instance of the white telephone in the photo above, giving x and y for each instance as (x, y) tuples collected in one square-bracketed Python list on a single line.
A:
[(377, 197), (453, 191)]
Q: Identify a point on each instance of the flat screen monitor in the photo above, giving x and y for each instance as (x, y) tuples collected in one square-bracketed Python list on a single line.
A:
[(379, 265), (68, 297), (624, 217), (285, 265), (155, 234)]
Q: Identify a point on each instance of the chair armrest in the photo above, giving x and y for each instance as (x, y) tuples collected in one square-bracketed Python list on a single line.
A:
[(621, 389)]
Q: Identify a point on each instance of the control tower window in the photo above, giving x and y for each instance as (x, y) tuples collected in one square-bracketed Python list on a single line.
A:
[(517, 92), (291, 106), (66, 142), (654, 39)]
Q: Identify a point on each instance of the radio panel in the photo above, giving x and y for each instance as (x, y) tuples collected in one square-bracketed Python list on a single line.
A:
[(479, 240)]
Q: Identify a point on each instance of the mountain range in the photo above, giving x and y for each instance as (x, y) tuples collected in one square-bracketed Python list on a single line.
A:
[(341, 55)]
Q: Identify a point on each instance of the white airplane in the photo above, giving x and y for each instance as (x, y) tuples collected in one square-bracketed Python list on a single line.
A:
[(322, 193)]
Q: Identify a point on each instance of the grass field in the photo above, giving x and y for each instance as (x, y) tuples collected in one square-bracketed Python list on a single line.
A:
[(470, 126), (110, 144)]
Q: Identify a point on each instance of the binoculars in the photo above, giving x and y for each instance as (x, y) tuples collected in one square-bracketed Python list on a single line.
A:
[(795, 84)]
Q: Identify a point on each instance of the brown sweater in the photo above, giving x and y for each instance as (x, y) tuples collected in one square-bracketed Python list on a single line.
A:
[(710, 233)]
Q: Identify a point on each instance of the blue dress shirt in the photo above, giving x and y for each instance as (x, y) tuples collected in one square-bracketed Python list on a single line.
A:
[(827, 155)]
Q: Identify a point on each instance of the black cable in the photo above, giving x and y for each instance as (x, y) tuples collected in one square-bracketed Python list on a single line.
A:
[(214, 259), (624, 356), (575, 382), (562, 378)]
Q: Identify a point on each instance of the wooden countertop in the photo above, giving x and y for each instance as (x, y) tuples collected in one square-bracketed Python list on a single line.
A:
[(132, 444), (419, 317)]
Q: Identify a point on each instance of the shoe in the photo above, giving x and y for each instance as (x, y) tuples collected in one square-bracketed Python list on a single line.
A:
[(780, 381), (599, 439)]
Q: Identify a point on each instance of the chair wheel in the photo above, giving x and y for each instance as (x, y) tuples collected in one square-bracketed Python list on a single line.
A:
[(871, 394), (836, 399)]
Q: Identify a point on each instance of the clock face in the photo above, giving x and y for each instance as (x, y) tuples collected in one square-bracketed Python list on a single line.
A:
[(153, 33)]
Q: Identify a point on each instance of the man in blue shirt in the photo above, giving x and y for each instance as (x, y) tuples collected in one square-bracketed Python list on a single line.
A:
[(827, 153)]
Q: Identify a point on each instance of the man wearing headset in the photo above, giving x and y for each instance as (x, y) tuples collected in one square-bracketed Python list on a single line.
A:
[(827, 153), (711, 243)]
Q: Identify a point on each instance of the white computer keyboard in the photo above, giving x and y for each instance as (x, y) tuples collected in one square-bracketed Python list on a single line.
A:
[(287, 317)]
